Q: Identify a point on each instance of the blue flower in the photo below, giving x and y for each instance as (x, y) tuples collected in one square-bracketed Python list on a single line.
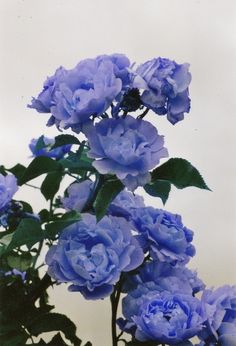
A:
[(164, 276), (45, 148), (78, 195), (164, 235), (220, 306), (165, 84), (8, 187), (92, 255), (16, 272), (163, 316), (124, 203), (126, 147), (73, 96), (44, 100)]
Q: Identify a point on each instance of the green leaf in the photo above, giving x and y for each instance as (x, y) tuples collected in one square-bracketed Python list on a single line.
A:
[(21, 262), (180, 173), (38, 166), (54, 228), (105, 196), (55, 322), (51, 184), (75, 162), (158, 188), (44, 215), (14, 338), (64, 140), (27, 233), (18, 170), (26, 207), (40, 144)]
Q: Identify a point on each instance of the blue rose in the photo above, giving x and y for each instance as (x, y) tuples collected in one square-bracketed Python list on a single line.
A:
[(91, 256), (126, 147), (164, 235), (220, 306), (162, 316), (78, 195), (164, 276), (73, 96), (44, 100), (124, 203), (165, 84), (8, 187), (45, 150)]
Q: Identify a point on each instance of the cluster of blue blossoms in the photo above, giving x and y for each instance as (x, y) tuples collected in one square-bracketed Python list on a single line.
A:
[(123, 145), (147, 249), (142, 248)]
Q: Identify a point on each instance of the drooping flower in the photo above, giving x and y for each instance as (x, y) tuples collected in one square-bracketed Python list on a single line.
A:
[(8, 187), (44, 148), (220, 305), (78, 195), (91, 256), (126, 147), (165, 84), (164, 235), (73, 96)]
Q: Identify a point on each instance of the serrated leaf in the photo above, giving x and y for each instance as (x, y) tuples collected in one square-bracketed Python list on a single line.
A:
[(64, 140), (18, 170), (20, 262), (54, 228), (27, 233), (55, 322), (39, 166), (51, 184), (180, 173), (158, 189), (105, 196)]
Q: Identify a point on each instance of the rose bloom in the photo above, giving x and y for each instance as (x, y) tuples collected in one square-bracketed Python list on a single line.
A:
[(91, 256), (126, 147)]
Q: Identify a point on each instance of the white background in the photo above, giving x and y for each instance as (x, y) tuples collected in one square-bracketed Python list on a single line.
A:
[(36, 36)]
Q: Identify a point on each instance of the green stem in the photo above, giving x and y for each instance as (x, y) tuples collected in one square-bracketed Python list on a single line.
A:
[(115, 297), (141, 116), (38, 253)]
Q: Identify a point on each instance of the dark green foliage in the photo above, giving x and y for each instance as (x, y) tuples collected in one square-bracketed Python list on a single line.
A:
[(51, 184), (39, 166), (159, 188), (180, 173), (108, 191), (28, 233), (63, 140)]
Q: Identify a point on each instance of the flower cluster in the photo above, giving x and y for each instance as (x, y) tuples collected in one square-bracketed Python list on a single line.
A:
[(128, 247), (120, 144)]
